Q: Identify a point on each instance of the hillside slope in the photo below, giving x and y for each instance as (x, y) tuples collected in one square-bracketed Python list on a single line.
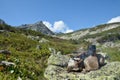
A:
[(29, 52), (106, 37), (90, 31)]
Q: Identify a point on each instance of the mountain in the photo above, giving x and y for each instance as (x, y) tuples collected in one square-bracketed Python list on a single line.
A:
[(106, 37), (39, 26), (31, 51), (2, 21), (91, 31)]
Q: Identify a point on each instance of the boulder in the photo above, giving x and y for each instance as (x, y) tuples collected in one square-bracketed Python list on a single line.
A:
[(111, 71), (58, 59), (6, 52), (7, 63), (75, 64), (58, 66), (91, 63), (43, 40)]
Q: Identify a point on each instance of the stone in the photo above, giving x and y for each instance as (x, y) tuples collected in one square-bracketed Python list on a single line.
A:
[(6, 52), (110, 71), (38, 47), (105, 55), (75, 64), (1, 31), (52, 50), (33, 37), (58, 60), (7, 63), (43, 40), (109, 44), (91, 63), (19, 78)]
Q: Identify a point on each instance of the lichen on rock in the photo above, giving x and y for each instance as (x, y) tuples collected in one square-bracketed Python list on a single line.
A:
[(111, 71), (58, 59)]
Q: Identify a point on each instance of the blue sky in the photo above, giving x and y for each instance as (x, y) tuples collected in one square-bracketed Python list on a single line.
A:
[(60, 15)]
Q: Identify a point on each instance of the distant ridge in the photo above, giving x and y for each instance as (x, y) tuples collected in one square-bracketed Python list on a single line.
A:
[(90, 31)]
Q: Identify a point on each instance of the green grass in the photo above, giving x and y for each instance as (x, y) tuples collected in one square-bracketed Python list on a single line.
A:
[(113, 53), (30, 62)]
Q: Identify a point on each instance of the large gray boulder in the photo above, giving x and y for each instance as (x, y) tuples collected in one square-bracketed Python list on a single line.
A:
[(58, 59), (111, 71)]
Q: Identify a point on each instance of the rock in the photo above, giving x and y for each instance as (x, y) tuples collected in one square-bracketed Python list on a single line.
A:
[(58, 59), (91, 63), (43, 40), (75, 64), (19, 78), (101, 60), (38, 47), (105, 55), (7, 63), (12, 71), (1, 31), (109, 44), (52, 50), (110, 71), (51, 71), (6, 52), (33, 37)]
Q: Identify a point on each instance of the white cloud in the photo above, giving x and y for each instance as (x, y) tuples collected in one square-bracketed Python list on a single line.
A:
[(69, 30), (48, 25), (58, 26), (115, 19)]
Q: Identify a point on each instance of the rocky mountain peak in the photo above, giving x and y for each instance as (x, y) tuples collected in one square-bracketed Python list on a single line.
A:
[(2, 21), (39, 22), (38, 26)]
